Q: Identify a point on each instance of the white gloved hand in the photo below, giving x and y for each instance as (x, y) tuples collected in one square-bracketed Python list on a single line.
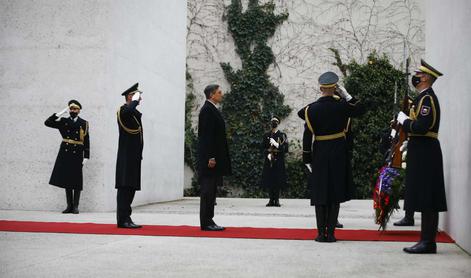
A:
[(269, 156), (404, 156), (308, 166), (401, 117), (61, 113), (136, 96), (274, 143), (404, 146), (85, 160), (343, 93), (393, 133)]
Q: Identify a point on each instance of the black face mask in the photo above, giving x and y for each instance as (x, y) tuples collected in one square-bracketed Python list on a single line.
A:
[(73, 114), (415, 80), (274, 124)]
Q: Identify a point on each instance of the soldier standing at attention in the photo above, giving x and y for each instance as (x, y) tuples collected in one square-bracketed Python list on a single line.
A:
[(275, 145), (425, 184), (74, 152), (325, 152), (128, 163)]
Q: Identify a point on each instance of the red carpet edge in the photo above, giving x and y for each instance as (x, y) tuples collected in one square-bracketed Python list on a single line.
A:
[(230, 232)]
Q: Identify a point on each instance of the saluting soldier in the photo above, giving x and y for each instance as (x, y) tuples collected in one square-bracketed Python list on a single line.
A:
[(325, 152), (275, 145), (425, 185), (74, 152), (128, 163)]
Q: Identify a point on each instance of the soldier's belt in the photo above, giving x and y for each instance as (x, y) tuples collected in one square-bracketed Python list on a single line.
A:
[(330, 136), (70, 141), (428, 134)]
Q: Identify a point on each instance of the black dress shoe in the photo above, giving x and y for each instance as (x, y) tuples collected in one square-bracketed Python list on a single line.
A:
[(404, 222), (75, 210), (135, 225), (422, 247), (68, 210), (129, 225), (330, 238), (270, 203), (339, 225), (213, 228), (320, 238), (277, 203)]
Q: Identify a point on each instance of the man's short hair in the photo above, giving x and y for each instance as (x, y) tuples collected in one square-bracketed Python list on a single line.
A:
[(210, 89)]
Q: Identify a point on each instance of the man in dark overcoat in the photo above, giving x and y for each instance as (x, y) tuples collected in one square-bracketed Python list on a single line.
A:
[(213, 155), (275, 146), (325, 152), (128, 163), (425, 184), (74, 152)]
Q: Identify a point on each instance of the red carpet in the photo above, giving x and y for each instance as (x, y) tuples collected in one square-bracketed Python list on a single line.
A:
[(230, 232)]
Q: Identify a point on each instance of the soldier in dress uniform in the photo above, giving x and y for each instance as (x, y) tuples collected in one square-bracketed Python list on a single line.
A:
[(325, 152), (275, 145), (425, 185), (128, 163), (74, 152)]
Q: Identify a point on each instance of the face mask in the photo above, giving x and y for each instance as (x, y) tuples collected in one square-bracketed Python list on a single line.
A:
[(73, 114), (274, 124), (415, 80)]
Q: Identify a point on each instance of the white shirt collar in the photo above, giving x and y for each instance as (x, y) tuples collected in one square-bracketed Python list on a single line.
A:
[(215, 105), (74, 119)]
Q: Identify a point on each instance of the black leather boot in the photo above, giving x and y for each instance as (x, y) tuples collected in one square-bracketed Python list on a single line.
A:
[(270, 203), (338, 225), (332, 215), (76, 201), (408, 220), (276, 203), (427, 244), (69, 198), (321, 217)]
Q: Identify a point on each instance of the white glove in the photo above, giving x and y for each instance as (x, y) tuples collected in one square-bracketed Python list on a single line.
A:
[(308, 166), (404, 146), (343, 93), (274, 143), (136, 96), (84, 161), (269, 156), (393, 133), (404, 156), (401, 117), (61, 113)]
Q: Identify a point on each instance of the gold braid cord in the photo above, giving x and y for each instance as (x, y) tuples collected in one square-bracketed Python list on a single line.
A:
[(129, 130)]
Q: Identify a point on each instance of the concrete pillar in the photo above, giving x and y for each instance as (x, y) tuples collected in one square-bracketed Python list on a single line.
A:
[(448, 48), (56, 50)]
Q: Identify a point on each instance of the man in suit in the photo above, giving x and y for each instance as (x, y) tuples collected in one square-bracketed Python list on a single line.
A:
[(128, 163), (74, 152), (325, 152), (213, 155), (425, 183)]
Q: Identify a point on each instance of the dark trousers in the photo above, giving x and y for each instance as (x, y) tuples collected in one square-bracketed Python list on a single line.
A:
[(208, 189), (124, 199), (429, 226), (274, 193)]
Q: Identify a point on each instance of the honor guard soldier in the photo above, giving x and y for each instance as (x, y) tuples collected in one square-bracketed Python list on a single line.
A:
[(275, 145), (74, 152), (425, 185), (325, 151), (128, 163)]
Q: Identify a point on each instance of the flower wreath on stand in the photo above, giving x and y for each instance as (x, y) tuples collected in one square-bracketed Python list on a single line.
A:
[(386, 194)]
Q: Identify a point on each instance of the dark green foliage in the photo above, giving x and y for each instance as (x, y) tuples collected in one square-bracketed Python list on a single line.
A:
[(373, 83), (252, 99)]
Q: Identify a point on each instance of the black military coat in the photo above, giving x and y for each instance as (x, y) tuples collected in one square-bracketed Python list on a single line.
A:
[(212, 142), (74, 148), (131, 144), (274, 172), (425, 185), (330, 181)]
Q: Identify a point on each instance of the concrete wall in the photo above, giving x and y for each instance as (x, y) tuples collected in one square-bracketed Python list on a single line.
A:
[(448, 48), (56, 50)]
